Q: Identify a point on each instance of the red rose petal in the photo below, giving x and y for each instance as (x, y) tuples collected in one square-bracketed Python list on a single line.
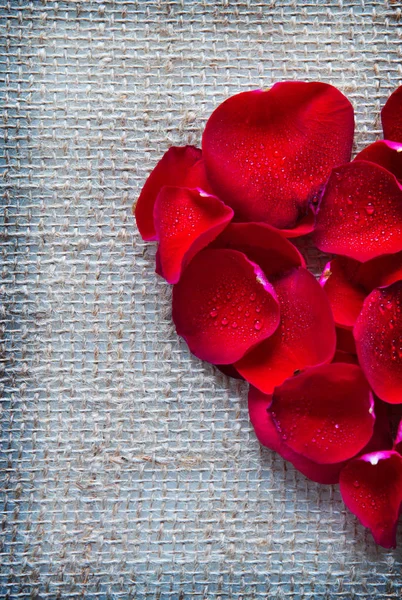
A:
[(267, 434), (391, 116), (386, 154), (378, 336), (262, 244), (303, 227), (223, 305), (326, 413), (360, 213), (380, 271), (382, 435), (371, 487), (305, 337), (197, 178), (171, 170), (346, 297), (185, 222), (267, 153), (345, 357)]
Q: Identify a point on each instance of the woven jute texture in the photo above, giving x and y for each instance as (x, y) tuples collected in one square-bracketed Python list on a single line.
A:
[(129, 468)]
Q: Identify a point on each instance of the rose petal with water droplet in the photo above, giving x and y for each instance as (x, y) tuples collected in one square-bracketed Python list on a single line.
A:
[(267, 153), (186, 220), (263, 245), (304, 338), (391, 116), (172, 169), (212, 274), (268, 435), (371, 488), (386, 154), (378, 336), (326, 413), (360, 212)]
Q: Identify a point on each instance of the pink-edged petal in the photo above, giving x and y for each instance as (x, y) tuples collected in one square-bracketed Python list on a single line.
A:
[(345, 342), (326, 413), (186, 221), (223, 305), (378, 336), (303, 227), (398, 439), (263, 245), (386, 154), (305, 337), (267, 434), (371, 488), (360, 213), (391, 116), (229, 371), (267, 153), (171, 170), (345, 296)]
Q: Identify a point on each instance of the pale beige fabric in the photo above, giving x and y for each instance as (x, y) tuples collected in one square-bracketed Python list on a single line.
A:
[(130, 469)]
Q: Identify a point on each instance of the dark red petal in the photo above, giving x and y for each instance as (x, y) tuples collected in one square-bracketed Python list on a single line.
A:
[(345, 357), (380, 271), (360, 213), (391, 116), (371, 487), (326, 413), (345, 342), (223, 305), (262, 244), (382, 435), (386, 154), (305, 337), (185, 222), (346, 297), (378, 336), (158, 264), (229, 371), (267, 153), (172, 170), (267, 434), (303, 227)]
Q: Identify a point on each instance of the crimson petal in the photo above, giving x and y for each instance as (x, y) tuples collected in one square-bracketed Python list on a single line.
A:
[(267, 153), (262, 244), (398, 439), (345, 342), (386, 154), (185, 222), (391, 116), (223, 305), (371, 487), (171, 170), (378, 336), (326, 413), (346, 298), (360, 213), (267, 434), (305, 337)]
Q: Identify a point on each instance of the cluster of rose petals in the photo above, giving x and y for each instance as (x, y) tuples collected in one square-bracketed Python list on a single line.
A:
[(323, 358)]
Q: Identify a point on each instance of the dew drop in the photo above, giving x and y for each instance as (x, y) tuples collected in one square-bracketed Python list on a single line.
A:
[(213, 313), (257, 325), (252, 297), (370, 209), (224, 321), (356, 484), (234, 325)]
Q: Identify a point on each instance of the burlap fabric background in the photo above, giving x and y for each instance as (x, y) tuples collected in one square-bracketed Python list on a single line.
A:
[(129, 468)]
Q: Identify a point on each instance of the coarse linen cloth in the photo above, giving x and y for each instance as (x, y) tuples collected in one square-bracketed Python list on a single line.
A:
[(129, 467)]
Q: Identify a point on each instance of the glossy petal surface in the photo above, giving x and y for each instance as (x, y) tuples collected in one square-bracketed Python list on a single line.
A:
[(371, 487), (378, 336), (267, 434), (305, 337), (360, 213), (186, 220), (386, 154), (171, 170), (391, 116), (267, 153), (326, 413), (223, 305), (345, 296), (262, 244)]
